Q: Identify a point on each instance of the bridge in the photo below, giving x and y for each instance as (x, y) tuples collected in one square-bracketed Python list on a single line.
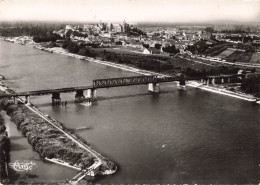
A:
[(153, 82)]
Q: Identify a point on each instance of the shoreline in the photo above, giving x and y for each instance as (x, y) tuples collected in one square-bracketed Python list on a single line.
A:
[(4, 153), (215, 89), (99, 160), (199, 85)]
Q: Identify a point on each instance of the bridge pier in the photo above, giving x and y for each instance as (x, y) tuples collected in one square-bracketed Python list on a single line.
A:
[(27, 100), (15, 99), (182, 84), (213, 81), (217, 80), (79, 96), (207, 81), (56, 98), (91, 94), (154, 87)]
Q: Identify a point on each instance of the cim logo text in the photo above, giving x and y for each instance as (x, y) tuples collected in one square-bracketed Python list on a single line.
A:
[(23, 165)]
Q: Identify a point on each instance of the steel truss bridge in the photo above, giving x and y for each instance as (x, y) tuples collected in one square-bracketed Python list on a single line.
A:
[(123, 81)]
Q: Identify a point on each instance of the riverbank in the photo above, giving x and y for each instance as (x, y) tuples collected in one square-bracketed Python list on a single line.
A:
[(4, 153), (222, 90), (51, 140), (219, 89)]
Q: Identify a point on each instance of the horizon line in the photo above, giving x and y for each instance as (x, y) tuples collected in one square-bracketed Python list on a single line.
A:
[(138, 22)]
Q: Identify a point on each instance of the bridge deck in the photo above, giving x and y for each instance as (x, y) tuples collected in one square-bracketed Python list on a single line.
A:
[(116, 82), (48, 91), (139, 80)]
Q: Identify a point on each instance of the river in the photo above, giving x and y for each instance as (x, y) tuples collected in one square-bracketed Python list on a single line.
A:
[(174, 137)]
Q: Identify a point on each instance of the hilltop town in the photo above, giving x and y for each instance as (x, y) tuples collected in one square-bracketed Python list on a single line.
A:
[(220, 42), (193, 50)]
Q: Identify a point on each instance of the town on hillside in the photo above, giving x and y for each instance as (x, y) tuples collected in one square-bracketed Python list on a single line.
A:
[(193, 50)]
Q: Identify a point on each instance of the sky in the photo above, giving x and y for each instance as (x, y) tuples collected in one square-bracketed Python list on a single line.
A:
[(134, 11)]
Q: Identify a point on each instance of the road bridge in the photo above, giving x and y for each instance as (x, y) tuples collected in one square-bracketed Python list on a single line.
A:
[(152, 81)]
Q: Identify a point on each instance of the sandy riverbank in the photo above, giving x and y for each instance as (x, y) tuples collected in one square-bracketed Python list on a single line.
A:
[(223, 91)]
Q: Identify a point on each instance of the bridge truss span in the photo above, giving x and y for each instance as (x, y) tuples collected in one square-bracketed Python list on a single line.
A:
[(126, 81)]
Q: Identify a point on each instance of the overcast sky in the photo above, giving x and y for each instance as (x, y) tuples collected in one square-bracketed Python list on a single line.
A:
[(131, 10)]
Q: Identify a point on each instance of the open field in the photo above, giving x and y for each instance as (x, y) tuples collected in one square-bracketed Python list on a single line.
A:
[(255, 58), (124, 56), (239, 56), (225, 53), (126, 49), (217, 49)]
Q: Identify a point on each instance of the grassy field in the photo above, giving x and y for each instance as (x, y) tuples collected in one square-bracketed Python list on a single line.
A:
[(125, 49), (217, 49), (225, 53), (255, 58), (177, 62), (239, 56)]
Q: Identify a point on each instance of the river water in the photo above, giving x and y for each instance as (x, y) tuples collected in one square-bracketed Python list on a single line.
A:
[(175, 137)]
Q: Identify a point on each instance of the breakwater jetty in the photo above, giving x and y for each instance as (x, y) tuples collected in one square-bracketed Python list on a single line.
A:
[(53, 142)]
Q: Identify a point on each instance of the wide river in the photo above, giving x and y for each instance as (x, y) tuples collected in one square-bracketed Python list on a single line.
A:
[(174, 137)]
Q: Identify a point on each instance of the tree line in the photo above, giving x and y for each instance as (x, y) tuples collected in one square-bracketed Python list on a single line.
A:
[(251, 85), (140, 61), (27, 29), (44, 138), (4, 151)]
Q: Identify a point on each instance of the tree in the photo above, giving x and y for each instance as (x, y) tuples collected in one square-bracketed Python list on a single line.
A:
[(73, 47), (146, 46), (209, 29), (84, 52), (2, 129), (251, 85), (170, 49), (157, 46)]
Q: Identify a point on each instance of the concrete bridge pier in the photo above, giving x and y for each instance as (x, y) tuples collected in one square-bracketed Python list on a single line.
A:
[(207, 82), (154, 87), (56, 98), (182, 84), (15, 99), (228, 80), (217, 80), (213, 81), (91, 94), (204, 80), (27, 100), (79, 96)]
